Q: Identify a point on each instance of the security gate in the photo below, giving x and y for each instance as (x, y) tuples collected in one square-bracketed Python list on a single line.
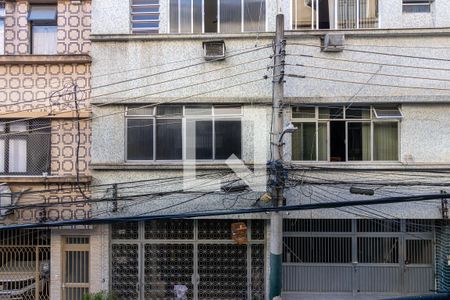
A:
[(24, 264), (358, 256), (148, 259)]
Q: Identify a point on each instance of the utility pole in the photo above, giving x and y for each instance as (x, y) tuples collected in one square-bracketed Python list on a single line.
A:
[(277, 183)]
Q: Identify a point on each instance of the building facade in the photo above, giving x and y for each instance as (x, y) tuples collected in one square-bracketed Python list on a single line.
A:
[(182, 81), (44, 94), (365, 87)]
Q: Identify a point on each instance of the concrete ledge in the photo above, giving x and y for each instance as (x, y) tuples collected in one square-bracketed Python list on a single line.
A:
[(164, 37), (403, 32), (41, 179), (157, 166), (46, 115), (44, 59)]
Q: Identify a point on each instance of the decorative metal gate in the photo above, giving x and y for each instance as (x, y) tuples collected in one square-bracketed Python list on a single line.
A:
[(149, 259), (358, 256), (24, 264)]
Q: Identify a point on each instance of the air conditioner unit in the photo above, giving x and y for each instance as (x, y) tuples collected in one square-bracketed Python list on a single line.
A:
[(214, 50), (333, 42), (5, 200)]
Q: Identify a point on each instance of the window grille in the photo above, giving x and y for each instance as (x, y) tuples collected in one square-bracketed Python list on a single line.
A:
[(378, 250), (145, 16), (317, 250), (334, 14), (317, 225), (25, 147)]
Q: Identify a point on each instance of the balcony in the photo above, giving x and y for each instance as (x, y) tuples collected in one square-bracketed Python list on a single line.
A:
[(334, 14)]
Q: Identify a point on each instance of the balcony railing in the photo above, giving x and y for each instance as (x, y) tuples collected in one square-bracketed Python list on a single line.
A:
[(334, 14)]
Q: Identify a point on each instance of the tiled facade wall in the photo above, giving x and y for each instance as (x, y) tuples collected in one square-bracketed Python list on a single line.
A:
[(74, 27), (17, 33), (43, 86), (64, 144), (30, 86), (74, 23)]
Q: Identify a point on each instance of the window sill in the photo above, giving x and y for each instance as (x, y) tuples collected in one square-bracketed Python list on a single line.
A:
[(42, 179), (44, 59), (159, 166), (372, 165)]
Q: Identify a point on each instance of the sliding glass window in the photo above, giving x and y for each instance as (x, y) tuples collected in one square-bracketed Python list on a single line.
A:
[(177, 132), (225, 16), (346, 133)]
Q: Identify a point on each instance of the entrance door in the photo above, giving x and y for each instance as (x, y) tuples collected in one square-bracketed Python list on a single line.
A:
[(149, 259)]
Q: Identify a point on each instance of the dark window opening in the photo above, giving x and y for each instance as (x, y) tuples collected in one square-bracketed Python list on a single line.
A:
[(337, 141), (210, 16), (358, 141), (169, 139), (228, 138)]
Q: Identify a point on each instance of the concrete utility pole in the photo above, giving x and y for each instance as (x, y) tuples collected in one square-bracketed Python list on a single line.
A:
[(277, 183)]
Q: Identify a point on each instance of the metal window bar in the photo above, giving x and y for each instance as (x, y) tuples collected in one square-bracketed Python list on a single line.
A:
[(196, 253), (24, 264), (28, 150)]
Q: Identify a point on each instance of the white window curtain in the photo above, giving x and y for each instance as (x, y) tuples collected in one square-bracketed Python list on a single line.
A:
[(2, 36), (44, 40), (385, 141), (17, 155), (2, 155)]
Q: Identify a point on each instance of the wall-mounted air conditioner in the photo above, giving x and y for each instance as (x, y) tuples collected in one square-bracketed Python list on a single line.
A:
[(214, 50), (5, 200), (333, 42)]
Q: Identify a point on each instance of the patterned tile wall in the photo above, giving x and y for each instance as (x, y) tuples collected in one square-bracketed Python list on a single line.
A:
[(64, 145), (30, 86), (17, 33), (74, 27), (64, 199)]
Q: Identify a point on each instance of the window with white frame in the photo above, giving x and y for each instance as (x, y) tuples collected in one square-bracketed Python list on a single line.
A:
[(180, 132), (43, 20), (346, 133), (24, 147), (225, 16), (2, 27), (417, 6)]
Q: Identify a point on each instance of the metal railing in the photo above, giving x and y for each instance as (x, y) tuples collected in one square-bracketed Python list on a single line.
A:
[(334, 14)]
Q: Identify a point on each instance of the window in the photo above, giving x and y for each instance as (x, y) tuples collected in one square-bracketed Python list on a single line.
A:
[(334, 14), (226, 16), (24, 147), (417, 6), (145, 16), (340, 133), (177, 132), (2, 28), (43, 29)]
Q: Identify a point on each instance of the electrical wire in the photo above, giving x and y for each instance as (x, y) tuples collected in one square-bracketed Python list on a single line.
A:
[(380, 53), (146, 76)]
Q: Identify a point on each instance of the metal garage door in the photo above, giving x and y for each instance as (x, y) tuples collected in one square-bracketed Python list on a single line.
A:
[(358, 256), (149, 259)]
